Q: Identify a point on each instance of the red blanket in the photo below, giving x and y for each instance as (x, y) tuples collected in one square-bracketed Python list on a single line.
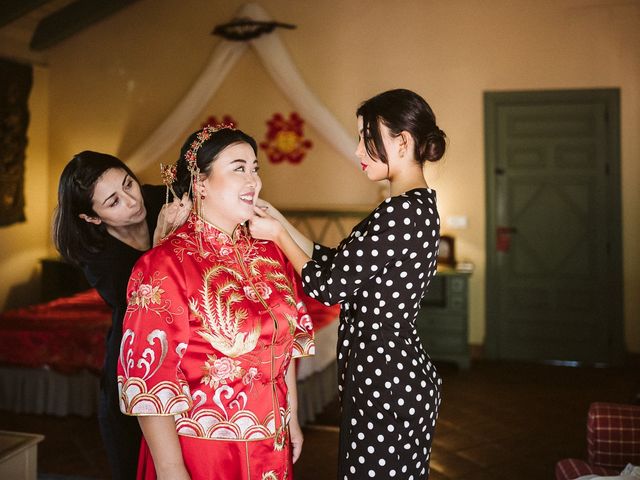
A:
[(68, 334)]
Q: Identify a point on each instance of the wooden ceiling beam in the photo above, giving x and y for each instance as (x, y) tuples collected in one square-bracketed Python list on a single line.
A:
[(11, 10), (72, 19)]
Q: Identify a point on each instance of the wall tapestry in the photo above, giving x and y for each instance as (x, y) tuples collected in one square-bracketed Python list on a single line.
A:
[(15, 85), (285, 139)]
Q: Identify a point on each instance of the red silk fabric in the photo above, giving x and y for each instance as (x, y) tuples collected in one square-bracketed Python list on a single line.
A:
[(68, 334)]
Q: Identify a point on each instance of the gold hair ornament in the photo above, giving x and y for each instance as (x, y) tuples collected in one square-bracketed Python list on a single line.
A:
[(168, 173), (191, 155)]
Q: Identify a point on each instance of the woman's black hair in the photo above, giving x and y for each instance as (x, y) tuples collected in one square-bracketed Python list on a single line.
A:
[(401, 110), (76, 239), (207, 154)]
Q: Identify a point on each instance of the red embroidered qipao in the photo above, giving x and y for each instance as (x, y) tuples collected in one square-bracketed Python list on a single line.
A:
[(211, 326)]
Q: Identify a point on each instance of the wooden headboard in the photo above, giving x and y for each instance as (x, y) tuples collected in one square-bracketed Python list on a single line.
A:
[(325, 226)]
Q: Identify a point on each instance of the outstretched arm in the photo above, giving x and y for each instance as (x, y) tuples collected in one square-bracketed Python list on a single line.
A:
[(162, 438), (303, 242), (265, 227)]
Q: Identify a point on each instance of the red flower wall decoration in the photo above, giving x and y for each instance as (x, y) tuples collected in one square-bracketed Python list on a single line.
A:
[(213, 121), (285, 139)]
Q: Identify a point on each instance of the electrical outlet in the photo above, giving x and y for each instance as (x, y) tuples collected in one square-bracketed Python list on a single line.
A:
[(457, 222)]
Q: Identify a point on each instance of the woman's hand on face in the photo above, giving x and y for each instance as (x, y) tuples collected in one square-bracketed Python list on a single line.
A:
[(263, 226), (270, 209), (264, 205)]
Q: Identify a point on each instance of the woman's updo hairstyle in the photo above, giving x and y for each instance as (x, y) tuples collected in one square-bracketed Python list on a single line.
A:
[(401, 110), (207, 153)]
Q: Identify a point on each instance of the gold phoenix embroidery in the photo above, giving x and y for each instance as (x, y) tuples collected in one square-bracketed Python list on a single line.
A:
[(222, 321)]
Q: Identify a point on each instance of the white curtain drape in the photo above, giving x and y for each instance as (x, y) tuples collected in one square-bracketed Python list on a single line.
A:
[(284, 73)]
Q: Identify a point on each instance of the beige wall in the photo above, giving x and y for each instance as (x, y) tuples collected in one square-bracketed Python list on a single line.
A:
[(111, 85), (24, 244)]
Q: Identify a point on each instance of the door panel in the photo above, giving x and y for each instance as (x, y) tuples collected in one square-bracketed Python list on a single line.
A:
[(549, 187)]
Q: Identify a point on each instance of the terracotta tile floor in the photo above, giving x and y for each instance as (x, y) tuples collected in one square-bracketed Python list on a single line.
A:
[(498, 420)]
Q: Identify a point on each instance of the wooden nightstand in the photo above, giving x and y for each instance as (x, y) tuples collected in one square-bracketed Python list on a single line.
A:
[(443, 318), (19, 455)]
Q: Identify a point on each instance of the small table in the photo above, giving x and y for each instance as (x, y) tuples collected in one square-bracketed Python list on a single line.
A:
[(442, 321), (19, 455)]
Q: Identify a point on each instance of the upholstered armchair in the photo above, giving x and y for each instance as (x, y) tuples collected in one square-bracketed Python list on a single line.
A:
[(613, 440)]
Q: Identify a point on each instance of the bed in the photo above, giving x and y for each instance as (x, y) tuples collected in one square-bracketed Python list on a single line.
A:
[(51, 353)]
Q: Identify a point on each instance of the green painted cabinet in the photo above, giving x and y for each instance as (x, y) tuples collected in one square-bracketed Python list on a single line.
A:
[(443, 318)]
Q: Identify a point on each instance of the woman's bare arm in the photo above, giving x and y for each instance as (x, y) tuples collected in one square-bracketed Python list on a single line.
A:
[(264, 226), (295, 432), (162, 439), (303, 242)]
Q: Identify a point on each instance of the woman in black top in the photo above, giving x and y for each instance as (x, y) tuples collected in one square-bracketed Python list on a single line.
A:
[(389, 389), (103, 223)]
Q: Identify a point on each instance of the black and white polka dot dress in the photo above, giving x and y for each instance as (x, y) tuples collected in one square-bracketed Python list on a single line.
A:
[(389, 389)]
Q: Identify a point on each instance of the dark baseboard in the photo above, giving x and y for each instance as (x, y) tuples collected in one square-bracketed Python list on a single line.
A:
[(476, 351), (632, 360)]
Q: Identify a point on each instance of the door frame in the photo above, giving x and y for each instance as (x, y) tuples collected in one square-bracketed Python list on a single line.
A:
[(611, 98)]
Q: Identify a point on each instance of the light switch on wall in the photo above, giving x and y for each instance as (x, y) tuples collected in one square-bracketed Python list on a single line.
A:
[(457, 222)]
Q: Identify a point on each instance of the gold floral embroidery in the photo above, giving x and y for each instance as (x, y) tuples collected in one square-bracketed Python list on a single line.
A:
[(259, 289), (270, 475), (186, 244), (218, 370), (251, 375), (148, 295), (145, 295)]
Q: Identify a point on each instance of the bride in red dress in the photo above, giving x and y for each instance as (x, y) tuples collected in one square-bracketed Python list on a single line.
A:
[(212, 324)]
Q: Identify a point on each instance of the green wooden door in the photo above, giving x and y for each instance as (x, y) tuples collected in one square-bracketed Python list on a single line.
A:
[(553, 226)]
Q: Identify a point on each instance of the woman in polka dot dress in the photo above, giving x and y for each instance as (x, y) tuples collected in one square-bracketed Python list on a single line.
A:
[(389, 389)]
